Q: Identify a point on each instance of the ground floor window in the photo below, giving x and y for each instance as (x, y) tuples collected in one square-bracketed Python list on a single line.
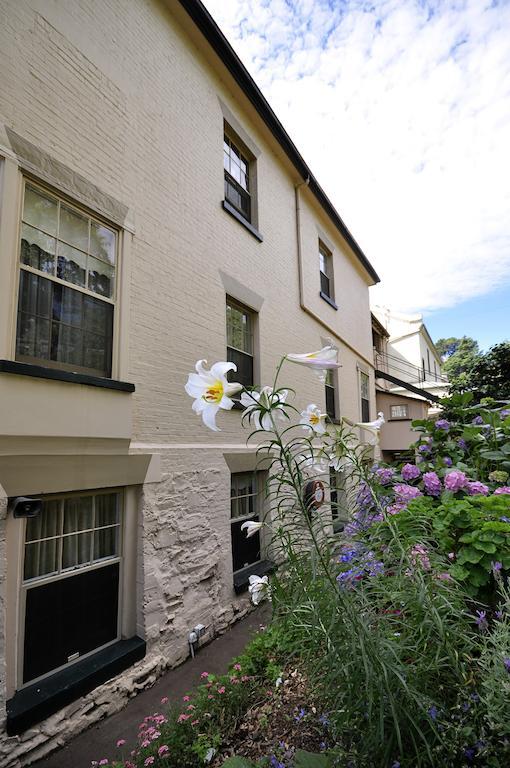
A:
[(245, 504), (338, 499), (71, 581)]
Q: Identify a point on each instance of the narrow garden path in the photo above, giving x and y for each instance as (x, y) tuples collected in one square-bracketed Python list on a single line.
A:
[(99, 741)]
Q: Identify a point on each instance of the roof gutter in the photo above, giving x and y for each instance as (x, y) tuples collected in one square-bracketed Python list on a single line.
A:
[(219, 43)]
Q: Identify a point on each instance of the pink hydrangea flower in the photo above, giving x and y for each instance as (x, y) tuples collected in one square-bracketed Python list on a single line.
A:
[(221, 689), (455, 480), (121, 742), (394, 509), (475, 488), (502, 489), (406, 492), (204, 675), (163, 750), (237, 667), (149, 761), (185, 698)]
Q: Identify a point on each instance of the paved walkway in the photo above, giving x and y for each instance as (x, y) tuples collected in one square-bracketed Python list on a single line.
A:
[(99, 741)]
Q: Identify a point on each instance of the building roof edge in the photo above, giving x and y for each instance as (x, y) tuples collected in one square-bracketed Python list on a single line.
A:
[(219, 43)]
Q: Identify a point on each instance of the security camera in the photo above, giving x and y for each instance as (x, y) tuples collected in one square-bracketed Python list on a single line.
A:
[(23, 506)]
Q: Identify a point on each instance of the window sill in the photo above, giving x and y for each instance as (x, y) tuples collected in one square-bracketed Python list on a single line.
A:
[(404, 418), (40, 372), (240, 218), (328, 299), (242, 577), (38, 701)]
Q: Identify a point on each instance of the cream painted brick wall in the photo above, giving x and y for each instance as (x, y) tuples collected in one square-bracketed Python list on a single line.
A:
[(118, 93)]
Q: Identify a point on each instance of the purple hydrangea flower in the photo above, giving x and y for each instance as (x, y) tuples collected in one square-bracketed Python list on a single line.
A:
[(455, 480), (477, 421), (384, 475), (410, 472), (475, 488), (504, 413), (447, 461), (394, 509), (503, 489), (462, 444), (443, 424), (432, 484), (424, 448), (406, 492)]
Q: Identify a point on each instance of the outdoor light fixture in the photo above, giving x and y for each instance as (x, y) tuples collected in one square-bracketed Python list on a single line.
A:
[(23, 506)]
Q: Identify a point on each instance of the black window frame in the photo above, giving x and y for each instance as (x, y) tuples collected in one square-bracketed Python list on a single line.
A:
[(241, 546), (326, 277), (330, 390), (237, 195)]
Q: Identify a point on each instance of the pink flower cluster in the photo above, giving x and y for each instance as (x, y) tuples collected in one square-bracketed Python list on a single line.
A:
[(410, 472), (502, 489), (455, 481), (406, 492), (419, 557), (432, 484), (475, 488)]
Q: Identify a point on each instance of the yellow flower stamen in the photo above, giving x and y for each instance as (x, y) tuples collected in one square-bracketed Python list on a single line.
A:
[(214, 393), (314, 419)]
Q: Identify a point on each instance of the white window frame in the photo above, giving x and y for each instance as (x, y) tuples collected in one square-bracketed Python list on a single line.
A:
[(399, 416), (62, 199), (129, 622)]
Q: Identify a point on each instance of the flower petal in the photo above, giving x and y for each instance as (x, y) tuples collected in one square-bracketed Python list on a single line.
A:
[(220, 370), (209, 416)]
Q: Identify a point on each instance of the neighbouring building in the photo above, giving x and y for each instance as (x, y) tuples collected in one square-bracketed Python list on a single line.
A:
[(153, 211), (405, 391)]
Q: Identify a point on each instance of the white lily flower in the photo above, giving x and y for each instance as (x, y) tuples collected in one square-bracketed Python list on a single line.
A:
[(259, 589), (320, 361), (211, 390), (256, 402), (314, 419), (209, 755), (325, 358), (251, 527)]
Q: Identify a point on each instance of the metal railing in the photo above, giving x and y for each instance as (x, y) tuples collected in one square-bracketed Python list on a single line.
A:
[(405, 371)]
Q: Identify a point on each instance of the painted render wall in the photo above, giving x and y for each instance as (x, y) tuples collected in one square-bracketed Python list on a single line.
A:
[(123, 111)]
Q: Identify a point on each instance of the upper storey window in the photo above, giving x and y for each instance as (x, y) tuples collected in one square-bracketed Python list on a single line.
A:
[(237, 177), (68, 264)]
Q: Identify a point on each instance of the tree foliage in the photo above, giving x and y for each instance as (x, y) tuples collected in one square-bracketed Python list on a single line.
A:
[(490, 374), (459, 355)]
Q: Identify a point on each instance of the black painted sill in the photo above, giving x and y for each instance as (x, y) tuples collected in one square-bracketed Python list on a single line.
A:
[(38, 701), (40, 372), (242, 577), (328, 299), (240, 218)]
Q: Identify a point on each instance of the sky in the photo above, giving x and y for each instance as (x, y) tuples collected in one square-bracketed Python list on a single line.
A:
[(401, 108)]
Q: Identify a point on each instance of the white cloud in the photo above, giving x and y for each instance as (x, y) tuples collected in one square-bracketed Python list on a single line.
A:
[(402, 110)]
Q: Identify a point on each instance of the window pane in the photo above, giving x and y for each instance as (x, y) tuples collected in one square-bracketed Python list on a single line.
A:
[(68, 306), (77, 514), (74, 228), (365, 410), (66, 344), (76, 550), (41, 558), (37, 249), (106, 542), (325, 285), (34, 295), (71, 265), (46, 524), (33, 336), (239, 329), (107, 512), (101, 277), (244, 551), (102, 242), (244, 363), (40, 211), (364, 385), (330, 402)]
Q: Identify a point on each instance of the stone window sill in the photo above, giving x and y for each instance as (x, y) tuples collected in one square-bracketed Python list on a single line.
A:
[(240, 218), (40, 372), (36, 702), (242, 577)]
